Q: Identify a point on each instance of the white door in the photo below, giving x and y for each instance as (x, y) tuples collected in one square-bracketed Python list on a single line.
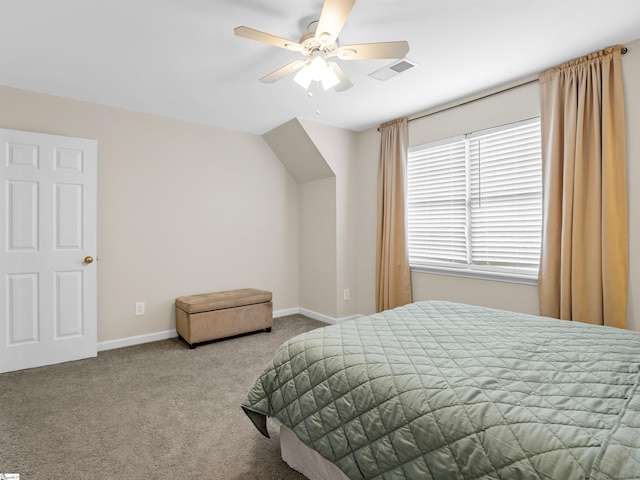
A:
[(48, 281)]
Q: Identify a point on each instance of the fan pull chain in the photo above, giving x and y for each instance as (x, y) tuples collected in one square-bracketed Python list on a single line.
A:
[(310, 94), (317, 96), (318, 112)]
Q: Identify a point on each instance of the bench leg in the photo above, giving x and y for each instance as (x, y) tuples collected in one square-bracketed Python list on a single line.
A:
[(191, 345), (268, 329)]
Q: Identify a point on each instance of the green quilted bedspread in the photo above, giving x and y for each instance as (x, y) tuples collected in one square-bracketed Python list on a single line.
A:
[(450, 391)]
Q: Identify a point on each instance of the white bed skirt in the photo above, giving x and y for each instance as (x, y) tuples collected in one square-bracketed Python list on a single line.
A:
[(305, 460)]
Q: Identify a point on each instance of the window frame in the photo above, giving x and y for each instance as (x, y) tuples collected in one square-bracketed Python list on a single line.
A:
[(470, 270)]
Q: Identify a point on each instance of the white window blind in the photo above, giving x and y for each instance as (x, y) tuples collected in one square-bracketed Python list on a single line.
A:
[(475, 202)]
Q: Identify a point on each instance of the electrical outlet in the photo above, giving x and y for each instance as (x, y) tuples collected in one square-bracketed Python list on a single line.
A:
[(139, 308), (346, 295)]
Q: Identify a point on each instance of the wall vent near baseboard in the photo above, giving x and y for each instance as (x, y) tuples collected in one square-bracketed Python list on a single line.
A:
[(393, 69)]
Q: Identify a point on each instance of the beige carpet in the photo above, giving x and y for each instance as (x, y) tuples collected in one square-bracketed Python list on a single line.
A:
[(151, 411)]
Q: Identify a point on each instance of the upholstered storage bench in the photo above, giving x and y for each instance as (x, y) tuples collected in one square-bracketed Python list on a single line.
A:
[(211, 316)]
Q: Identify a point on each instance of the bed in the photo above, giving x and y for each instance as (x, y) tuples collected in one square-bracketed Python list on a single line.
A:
[(445, 390)]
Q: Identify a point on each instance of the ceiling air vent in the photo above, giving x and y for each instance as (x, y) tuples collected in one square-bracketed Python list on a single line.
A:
[(393, 69)]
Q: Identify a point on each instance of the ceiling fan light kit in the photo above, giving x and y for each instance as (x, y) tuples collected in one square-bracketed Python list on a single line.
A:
[(318, 44), (303, 77), (329, 78), (317, 69)]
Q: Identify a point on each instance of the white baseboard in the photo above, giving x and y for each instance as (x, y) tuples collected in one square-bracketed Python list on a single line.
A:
[(285, 312), (137, 340), (317, 316), (154, 337)]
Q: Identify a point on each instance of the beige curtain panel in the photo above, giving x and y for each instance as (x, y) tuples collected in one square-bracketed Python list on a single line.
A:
[(584, 257), (393, 277)]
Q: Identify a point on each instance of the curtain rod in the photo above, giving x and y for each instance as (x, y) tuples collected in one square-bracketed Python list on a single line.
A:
[(521, 83), (459, 103), (471, 100)]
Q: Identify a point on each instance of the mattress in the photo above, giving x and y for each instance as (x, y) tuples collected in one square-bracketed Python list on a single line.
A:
[(446, 390)]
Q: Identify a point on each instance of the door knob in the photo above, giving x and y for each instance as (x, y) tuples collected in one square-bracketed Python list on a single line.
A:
[(88, 259)]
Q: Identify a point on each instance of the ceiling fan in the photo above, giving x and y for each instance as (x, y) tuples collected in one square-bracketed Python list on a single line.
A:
[(319, 43)]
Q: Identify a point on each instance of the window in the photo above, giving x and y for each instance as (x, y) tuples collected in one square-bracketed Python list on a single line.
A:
[(474, 202)]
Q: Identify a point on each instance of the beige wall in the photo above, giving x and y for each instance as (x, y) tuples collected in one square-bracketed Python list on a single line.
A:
[(182, 209), (631, 78), (338, 147), (318, 246), (368, 152), (320, 158), (512, 105)]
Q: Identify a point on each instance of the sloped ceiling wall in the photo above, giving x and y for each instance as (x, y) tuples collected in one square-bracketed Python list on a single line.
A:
[(297, 152)]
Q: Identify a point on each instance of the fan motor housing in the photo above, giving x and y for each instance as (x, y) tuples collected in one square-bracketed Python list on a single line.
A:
[(311, 44)]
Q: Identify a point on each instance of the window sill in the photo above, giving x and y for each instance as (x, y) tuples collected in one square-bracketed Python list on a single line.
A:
[(480, 275)]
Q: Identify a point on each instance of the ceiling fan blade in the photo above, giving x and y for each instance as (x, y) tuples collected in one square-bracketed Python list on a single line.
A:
[(366, 51), (283, 72), (332, 18), (253, 34), (345, 83)]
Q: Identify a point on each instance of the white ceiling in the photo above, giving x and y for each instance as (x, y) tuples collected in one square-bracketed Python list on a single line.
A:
[(180, 58)]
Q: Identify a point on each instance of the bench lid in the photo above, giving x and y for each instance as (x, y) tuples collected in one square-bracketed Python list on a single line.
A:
[(207, 302)]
